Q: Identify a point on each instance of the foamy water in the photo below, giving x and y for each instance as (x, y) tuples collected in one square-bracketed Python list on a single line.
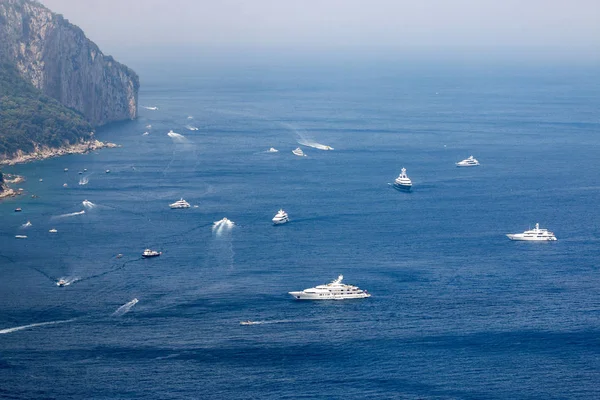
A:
[(125, 308), (222, 226), (20, 328)]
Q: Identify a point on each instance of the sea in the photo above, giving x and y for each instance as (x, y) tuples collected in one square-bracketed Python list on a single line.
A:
[(458, 311)]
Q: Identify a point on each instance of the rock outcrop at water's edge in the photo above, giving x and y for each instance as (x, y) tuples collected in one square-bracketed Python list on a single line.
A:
[(58, 59)]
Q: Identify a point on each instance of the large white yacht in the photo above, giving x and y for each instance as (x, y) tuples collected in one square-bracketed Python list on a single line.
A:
[(180, 204), (534, 235), (298, 151), (403, 182), (335, 290), (469, 162), (280, 218)]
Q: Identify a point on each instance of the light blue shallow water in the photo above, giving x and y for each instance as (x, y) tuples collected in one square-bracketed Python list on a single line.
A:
[(458, 311)]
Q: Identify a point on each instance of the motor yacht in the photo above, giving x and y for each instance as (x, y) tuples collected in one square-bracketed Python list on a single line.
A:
[(298, 152), (533, 235), (469, 162), (335, 290), (280, 218), (61, 283), (403, 182), (151, 253), (180, 204)]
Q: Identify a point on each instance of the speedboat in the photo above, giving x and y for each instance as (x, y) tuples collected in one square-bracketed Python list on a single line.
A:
[(27, 224), (52, 230), (151, 253), (65, 185), (21, 236), (298, 151), (533, 235), (41, 180), (180, 204), (273, 150), (335, 290), (66, 169), (119, 255), (469, 162), (248, 323), (403, 182), (61, 283), (108, 171), (280, 218), (18, 209)]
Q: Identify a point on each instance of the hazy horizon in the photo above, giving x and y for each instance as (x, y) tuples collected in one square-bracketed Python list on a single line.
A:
[(349, 25)]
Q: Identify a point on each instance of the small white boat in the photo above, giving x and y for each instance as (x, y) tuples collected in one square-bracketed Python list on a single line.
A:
[(273, 150), (298, 152), (61, 283), (26, 224), (403, 182), (66, 169), (280, 218), (41, 180), (52, 230), (468, 162), (18, 209), (151, 253), (21, 236), (533, 235), (148, 126), (85, 170), (65, 185), (180, 204), (335, 290), (108, 171)]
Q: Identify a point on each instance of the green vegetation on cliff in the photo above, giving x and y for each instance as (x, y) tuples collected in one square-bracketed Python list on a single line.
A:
[(28, 117)]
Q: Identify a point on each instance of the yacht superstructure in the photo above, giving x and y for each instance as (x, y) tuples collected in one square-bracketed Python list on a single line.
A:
[(335, 290), (280, 218), (468, 162), (403, 182), (180, 204), (533, 235)]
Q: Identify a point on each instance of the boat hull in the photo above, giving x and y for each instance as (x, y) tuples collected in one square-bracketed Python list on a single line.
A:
[(280, 221), (402, 188), (315, 296), (520, 237)]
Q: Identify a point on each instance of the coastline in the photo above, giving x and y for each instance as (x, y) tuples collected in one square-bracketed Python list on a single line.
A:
[(42, 153)]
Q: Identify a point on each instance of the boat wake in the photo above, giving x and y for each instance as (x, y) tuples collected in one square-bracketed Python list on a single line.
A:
[(20, 328), (26, 224), (88, 204), (310, 143), (176, 136), (125, 308), (222, 226), (150, 108), (70, 214), (84, 181), (191, 128), (67, 281), (267, 322)]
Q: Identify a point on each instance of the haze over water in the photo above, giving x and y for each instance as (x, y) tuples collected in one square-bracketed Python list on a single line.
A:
[(457, 310)]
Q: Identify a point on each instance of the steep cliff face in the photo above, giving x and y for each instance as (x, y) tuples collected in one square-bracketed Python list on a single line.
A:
[(58, 59)]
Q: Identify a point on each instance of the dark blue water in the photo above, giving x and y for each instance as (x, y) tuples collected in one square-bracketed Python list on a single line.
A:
[(458, 311)]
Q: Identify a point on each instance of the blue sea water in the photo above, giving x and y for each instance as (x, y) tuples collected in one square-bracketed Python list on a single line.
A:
[(457, 310)]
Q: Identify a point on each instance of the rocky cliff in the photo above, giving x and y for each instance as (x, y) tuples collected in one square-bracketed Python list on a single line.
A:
[(57, 58)]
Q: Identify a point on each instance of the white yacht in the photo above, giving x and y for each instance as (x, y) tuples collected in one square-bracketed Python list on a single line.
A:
[(151, 253), (403, 182), (469, 162), (180, 204), (298, 151), (273, 150), (53, 230), (280, 218), (534, 235), (335, 290)]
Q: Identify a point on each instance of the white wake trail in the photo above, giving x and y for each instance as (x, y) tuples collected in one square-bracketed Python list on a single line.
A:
[(125, 308), (20, 328), (70, 214), (88, 204), (84, 180)]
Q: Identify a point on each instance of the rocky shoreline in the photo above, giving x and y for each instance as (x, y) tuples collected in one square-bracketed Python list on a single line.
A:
[(42, 153)]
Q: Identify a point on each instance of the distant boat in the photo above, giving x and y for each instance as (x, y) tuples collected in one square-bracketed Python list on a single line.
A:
[(61, 283), (468, 162), (148, 126), (403, 182), (108, 171), (119, 255), (298, 151), (280, 218), (41, 180), (151, 253), (145, 133), (21, 236), (18, 209), (273, 150), (533, 235), (65, 185), (27, 224), (180, 204), (52, 230), (248, 323), (66, 169)]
